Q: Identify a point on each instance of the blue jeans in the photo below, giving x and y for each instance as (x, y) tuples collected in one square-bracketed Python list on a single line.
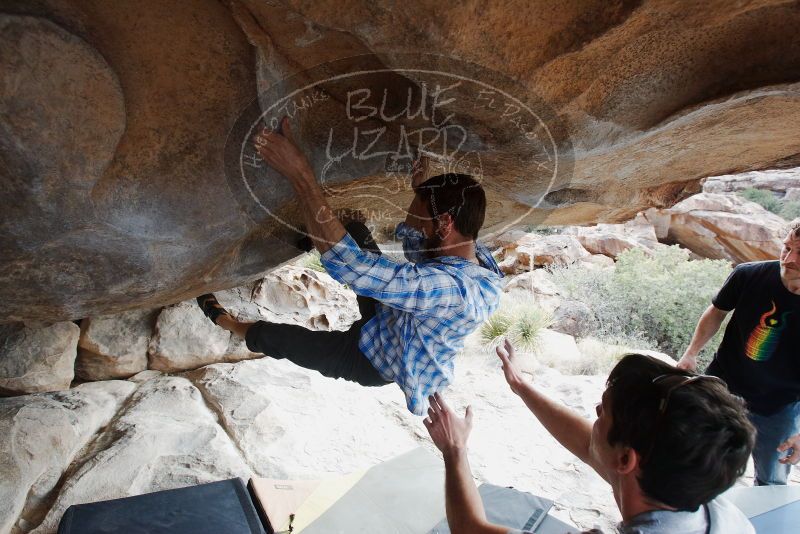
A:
[(771, 432)]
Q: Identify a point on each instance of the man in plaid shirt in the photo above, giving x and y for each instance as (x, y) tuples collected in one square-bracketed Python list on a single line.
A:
[(414, 315)]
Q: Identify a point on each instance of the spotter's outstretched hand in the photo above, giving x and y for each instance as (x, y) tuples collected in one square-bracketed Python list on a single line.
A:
[(448, 431), (505, 351)]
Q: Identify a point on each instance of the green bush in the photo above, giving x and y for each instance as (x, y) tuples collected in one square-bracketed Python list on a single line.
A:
[(789, 210), (657, 298), (766, 199), (520, 323), (496, 328)]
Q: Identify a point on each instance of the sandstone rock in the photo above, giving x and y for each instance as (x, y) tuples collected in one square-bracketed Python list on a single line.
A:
[(40, 435), (597, 261), (558, 351), (574, 318), (660, 219), (37, 359), (184, 338), (779, 181), (550, 250), (600, 356), (104, 222), (98, 224), (270, 407), (534, 250), (294, 295), (166, 438), (613, 239), (537, 281), (114, 346), (792, 195), (720, 226), (534, 288), (144, 376)]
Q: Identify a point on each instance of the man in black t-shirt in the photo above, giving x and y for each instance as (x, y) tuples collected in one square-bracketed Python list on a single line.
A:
[(759, 356)]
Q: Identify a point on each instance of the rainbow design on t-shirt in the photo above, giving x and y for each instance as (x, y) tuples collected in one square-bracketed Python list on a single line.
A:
[(764, 338)]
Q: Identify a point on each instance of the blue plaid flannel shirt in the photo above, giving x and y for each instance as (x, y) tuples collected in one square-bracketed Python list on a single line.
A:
[(424, 310)]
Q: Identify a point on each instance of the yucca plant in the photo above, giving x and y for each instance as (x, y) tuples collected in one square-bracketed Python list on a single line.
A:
[(528, 322), (495, 328)]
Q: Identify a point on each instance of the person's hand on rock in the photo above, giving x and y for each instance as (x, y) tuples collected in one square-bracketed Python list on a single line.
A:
[(282, 154), (419, 172)]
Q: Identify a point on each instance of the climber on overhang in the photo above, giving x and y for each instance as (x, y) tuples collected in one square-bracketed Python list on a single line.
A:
[(414, 315)]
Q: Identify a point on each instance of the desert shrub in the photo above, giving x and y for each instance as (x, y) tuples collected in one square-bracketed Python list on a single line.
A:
[(656, 297), (529, 321), (496, 328), (520, 323), (790, 210), (766, 199), (787, 209)]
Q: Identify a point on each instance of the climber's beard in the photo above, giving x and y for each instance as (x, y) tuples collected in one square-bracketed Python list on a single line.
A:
[(433, 246)]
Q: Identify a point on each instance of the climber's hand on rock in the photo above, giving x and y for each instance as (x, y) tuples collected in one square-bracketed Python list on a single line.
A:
[(280, 151), (419, 173)]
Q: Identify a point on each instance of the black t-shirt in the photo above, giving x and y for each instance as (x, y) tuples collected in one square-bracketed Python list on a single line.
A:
[(759, 356)]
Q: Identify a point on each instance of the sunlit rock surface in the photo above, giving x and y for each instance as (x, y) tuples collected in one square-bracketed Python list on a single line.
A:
[(114, 118)]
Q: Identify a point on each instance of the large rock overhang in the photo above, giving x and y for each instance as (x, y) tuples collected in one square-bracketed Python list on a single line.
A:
[(122, 182)]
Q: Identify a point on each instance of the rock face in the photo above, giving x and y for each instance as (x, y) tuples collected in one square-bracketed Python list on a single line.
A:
[(184, 338), (114, 172), (37, 359), (296, 295), (574, 318), (613, 239), (720, 226), (42, 434), (533, 250), (778, 181), (114, 346), (166, 438), (270, 407)]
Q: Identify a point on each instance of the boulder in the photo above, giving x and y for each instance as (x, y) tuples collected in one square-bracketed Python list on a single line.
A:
[(778, 181), (573, 317), (296, 295), (725, 226), (533, 250), (660, 220), (131, 209), (114, 346), (601, 356), (597, 261), (613, 239), (533, 287), (37, 359), (184, 339), (554, 350), (165, 438), (271, 407), (40, 435), (792, 195), (559, 351)]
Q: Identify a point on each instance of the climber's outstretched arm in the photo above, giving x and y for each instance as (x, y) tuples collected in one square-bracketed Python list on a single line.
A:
[(283, 155)]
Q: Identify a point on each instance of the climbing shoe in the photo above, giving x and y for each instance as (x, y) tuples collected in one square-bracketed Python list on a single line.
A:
[(211, 307)]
